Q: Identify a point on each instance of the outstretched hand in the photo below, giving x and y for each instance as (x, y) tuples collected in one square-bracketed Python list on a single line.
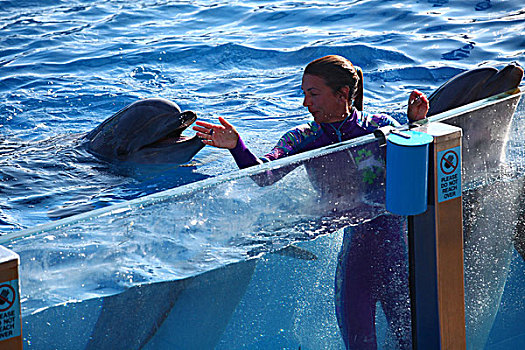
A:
[(417, 106), (221, 136)]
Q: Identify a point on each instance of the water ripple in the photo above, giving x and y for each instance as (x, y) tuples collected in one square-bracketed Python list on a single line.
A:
[(66, 66)]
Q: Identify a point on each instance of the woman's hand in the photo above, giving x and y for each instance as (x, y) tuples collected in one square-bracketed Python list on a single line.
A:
[(417, 106), (221, 136)]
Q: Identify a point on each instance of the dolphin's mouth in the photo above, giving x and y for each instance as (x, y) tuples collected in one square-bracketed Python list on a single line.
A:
[(174, 136), (168, 140)]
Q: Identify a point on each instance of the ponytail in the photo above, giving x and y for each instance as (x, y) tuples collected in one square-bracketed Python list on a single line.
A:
[(358, 97)]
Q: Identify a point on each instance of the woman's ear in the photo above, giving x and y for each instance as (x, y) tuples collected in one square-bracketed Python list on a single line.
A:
[(344, 93)]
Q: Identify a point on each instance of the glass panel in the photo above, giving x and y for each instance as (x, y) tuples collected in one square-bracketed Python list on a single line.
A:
[(203, 238), (203, 226), (246, 261), (493, 169)]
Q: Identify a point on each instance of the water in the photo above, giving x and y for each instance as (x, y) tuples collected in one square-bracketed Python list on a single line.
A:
[(66, 66)]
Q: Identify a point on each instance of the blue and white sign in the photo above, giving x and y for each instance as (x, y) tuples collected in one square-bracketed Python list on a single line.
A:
[(449, 174), (10, 322)]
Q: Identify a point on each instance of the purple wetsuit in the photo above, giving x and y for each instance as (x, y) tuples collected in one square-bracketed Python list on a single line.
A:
[(372, 267), (313, 135), (372, 264)]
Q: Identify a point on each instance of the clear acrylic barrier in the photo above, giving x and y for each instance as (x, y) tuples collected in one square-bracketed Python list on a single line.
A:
[(258, 258), (202, 226), (493, 168)]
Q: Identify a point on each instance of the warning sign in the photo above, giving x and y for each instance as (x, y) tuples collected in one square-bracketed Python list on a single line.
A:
[(9, 310), (449, 174)]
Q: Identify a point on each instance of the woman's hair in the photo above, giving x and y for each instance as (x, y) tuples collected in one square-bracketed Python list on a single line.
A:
[(338, 72)]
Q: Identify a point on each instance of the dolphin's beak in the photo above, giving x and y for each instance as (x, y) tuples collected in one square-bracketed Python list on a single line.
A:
[(187, 118), (174, 136)]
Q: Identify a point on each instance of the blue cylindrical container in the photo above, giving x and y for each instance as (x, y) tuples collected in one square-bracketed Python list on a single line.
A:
[(407, 172)]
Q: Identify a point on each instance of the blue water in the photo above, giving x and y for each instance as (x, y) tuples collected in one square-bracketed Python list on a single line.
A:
[(65, 66)]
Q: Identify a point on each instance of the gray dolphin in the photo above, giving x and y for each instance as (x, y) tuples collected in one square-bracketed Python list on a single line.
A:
[(474, 85), (487, 239), (147, 131)]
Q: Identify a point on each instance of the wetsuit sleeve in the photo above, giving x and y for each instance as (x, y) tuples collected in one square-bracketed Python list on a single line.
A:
[(287, 145), (294, 141), (243, 156), (245, 159), (284, 147), (371, 122)]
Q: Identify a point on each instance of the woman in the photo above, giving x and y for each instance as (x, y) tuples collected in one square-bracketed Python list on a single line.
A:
[(333, 94), (372, 263)]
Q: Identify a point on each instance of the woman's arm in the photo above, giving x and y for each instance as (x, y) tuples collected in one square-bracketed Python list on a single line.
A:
[(225, 136)]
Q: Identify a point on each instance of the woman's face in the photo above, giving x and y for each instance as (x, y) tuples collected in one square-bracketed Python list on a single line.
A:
[(325, 105)]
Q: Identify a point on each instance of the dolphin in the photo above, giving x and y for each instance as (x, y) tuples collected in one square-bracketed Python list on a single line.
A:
[(145, 132), (487, 239), (474, 85)]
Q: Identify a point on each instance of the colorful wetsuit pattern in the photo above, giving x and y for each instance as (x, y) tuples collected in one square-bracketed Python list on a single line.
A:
[(313, 135), (290, 143)]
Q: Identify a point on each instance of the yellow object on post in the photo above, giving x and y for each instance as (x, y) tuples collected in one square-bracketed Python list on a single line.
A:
[(10, 317)]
